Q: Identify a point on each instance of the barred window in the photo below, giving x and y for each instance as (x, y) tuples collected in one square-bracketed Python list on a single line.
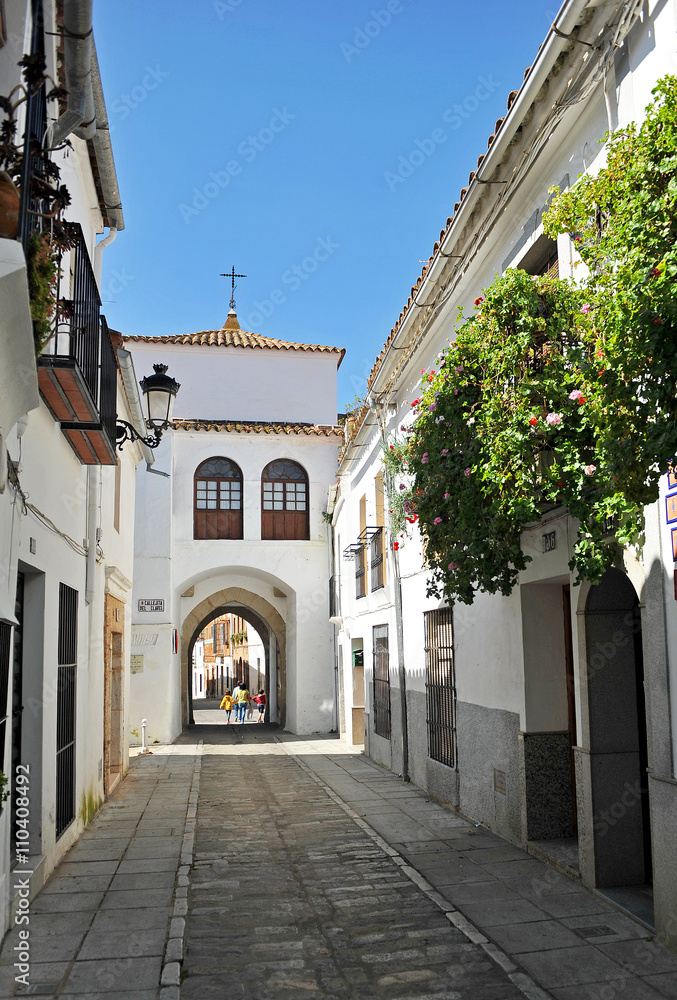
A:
[(440, 686), (381, 681), (218, 500), (284, 501)]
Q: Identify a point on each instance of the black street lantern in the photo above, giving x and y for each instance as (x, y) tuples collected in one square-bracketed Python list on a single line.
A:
[(159, 391)]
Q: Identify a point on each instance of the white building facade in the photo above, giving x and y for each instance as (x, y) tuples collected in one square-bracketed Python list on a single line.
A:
[(66, 494), (236, 525), (559, 702)]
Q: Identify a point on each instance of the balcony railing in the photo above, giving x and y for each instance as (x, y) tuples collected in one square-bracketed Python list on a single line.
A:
[(77, 371), (371, 537)]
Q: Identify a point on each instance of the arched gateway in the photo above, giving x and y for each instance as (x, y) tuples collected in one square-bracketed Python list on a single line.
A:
[(234, 521), (267, 621)]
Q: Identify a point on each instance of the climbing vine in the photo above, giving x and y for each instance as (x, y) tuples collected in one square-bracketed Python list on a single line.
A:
[(553, 394)]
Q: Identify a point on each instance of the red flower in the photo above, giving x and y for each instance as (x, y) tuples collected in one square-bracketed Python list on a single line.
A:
[(533, 421), (657, 321), (581, 401), (431, 378), (655, 273), (416, 402), (478, 300), (396, 545), (392, 446), (560, 483)]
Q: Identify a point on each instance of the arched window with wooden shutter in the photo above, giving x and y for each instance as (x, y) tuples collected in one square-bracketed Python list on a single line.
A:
[(218, 500), (284, 501)]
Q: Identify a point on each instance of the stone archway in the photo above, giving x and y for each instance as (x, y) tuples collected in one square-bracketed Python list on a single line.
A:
[(238, 600)]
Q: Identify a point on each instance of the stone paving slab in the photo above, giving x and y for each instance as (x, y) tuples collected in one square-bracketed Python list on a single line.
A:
[(98, 929), (309, 872), (288, 898), (545, 924)]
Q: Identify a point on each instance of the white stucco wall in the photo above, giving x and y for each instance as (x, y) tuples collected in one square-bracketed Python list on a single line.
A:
[(235, 383)]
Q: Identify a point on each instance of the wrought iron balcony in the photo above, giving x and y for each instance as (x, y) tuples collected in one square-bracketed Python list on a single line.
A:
[(77, 371)]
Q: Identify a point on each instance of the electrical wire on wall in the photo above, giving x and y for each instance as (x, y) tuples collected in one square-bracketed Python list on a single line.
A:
[(20, 496)]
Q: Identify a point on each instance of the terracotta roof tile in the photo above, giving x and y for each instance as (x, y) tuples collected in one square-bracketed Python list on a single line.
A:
[(259, 427), (231, 335)]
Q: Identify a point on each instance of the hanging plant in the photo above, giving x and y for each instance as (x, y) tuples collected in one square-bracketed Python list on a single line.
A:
[(43, 279), (553, 395)]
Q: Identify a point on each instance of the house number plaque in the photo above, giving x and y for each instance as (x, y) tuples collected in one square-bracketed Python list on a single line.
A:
[(549, 541)]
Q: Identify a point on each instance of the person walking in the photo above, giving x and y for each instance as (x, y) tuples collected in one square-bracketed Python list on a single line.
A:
[(243, 699), (260, 700), (227, 705)]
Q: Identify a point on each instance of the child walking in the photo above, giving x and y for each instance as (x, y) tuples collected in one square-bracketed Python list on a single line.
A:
[(227, 704), (261, 702)]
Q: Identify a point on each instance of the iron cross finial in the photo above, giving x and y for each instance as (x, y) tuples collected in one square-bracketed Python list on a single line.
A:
[(232, 275)]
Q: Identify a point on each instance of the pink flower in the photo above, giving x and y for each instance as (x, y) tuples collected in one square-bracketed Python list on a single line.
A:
[(455, 392), (438, 520), (589, 469), (432, 406), (424, 457), (586, 307), (446, 496), (452, 565), (445, 451), (467, 471), (402, 486), (553, 419), (576, 394), (422, 371)]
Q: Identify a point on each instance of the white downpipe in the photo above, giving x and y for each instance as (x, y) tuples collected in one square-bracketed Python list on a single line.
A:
[(93, 535), (107, 240)]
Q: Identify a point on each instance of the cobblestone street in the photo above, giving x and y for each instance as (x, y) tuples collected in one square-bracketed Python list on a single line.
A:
[(242, 861)]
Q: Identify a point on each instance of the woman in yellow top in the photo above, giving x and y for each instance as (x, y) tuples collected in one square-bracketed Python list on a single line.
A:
[(243, 700), (227, 704)]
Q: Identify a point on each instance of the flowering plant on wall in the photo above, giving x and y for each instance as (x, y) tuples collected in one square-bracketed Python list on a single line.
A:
[(553, 395)]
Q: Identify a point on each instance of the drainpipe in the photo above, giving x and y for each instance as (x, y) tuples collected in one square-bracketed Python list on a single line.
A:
[(79, 116), (402, 674), (377, 408), (93, 530), (131, 385), (104, 154)]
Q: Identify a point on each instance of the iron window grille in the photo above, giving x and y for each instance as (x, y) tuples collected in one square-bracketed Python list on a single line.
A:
[(381, 681), (376, 559), (440, 686), (5, 660), (66, 707)]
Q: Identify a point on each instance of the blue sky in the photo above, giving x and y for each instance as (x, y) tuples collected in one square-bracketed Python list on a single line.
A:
[(315, 146)]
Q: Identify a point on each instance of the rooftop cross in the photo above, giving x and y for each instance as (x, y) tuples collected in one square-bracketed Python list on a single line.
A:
[(232, 275)]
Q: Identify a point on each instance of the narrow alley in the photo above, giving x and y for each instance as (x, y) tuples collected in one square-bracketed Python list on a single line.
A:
[(250, 862)]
